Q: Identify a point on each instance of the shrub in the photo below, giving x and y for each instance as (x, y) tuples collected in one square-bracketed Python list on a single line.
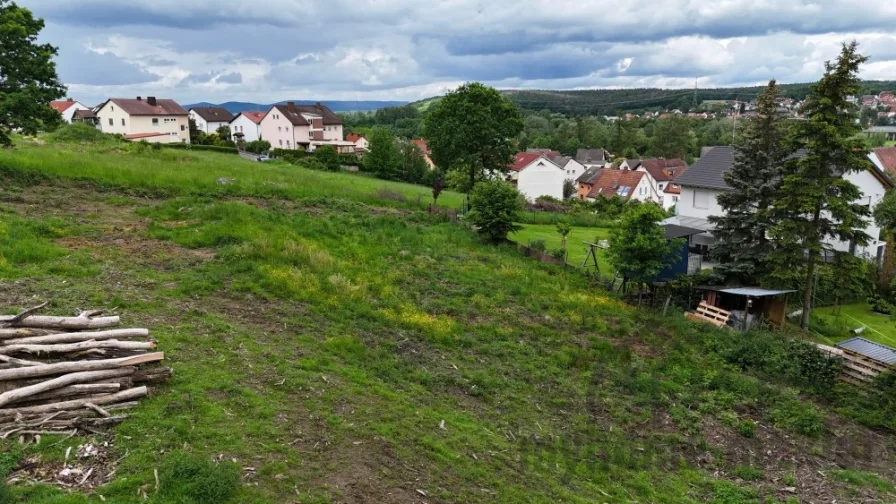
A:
[(880, 305), (310, 163), (495, 205), (748, 473), (328, 157), (185, 478), (289, 155), (538, 244), (78, 132), (558, 253), (258, 146), (798, 417)]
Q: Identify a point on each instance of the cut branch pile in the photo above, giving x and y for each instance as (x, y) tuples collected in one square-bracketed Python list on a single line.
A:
[(70, 374)]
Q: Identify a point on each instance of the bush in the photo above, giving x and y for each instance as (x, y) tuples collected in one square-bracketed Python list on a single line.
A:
[(310, 163), (258, 146), (184, 478), (558, 253), (327, 156), (880, 305), (207, 148), (78, 132), (495, 205), (798, 417), (290, 155), (538, 244)]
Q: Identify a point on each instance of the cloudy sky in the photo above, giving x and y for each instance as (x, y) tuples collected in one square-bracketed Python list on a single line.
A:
[(272, 50)]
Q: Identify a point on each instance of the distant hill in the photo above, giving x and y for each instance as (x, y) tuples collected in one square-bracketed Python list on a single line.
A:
[(335, 105)]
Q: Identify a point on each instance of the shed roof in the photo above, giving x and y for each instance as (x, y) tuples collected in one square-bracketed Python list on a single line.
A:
[(870, 349), (675, 231)]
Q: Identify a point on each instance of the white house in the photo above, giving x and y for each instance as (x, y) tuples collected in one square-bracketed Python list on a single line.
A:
[(661, 172), (625, 184), (573, 168), (536, 176), (701, 184), (294, 126), (209, 119), (361, 143), (153, 120), (67, 108), (247, 126)]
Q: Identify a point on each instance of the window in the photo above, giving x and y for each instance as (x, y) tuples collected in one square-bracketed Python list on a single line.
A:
[(279, 128), (155, 121), (287, 143), (111, 108), (281, 143), (111, 122), (287, 128), (122, 121), (701, 200), (182, 127)]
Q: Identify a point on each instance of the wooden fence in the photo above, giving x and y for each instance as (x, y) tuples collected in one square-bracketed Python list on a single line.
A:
[(857, 368)]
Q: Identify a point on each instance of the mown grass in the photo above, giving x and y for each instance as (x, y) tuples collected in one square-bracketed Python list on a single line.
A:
[(351, 351), (166, 173), (878, 327), (576, 250)]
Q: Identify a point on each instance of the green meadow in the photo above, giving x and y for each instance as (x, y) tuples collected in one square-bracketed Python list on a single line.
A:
[(334, 343)]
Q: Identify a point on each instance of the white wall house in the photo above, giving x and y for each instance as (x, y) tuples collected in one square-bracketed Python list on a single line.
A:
[(153, 120), (571, 167), (537, 176), (292, 126), (67, 108), (247, 126), (702, 183), (209, 119)]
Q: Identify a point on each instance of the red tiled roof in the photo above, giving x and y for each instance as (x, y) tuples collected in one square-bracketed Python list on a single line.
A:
[(672, 189), (354, 137), (887, 157), (62, 105), (524, 159), (254, 116), (421, 144), (141, 107), (138, 136), (663, 170), (610, 182)]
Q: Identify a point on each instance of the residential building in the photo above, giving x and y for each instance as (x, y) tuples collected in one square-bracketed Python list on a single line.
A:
[(626, 184), (246, 126), (361, 143), (586, 181), (536, 175), (292, 126), (548, 153), (151, 119), (67, 108), (593, 157), (702, 183), (427, 154), (884, 158), (573, 168), (661, 171), (86, 116), (209, 119)]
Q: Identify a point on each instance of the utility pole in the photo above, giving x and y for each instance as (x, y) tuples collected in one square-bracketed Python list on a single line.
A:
[(695, 93)]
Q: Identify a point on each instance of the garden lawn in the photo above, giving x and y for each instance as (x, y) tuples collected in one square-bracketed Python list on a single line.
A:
[(879, 328), (574, 241)]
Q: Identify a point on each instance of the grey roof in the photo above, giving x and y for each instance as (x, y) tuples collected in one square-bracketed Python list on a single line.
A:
[(213, 114), (561, 161), (632, 163), (675, 231), (708, 170), (870, 349), (591, 156), (689, 222), (589, 176), (753, 291), (881, 129)]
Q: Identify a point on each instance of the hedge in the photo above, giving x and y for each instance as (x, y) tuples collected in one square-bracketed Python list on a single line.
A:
[(209, 148)]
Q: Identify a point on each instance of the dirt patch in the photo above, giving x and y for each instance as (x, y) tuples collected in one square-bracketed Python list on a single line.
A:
[(84, 467)]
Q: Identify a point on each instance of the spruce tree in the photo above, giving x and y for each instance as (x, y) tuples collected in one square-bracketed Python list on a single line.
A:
[(743, 228), (816, 204)]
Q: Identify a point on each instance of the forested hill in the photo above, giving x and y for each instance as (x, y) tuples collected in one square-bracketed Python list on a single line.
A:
[(614, 101)]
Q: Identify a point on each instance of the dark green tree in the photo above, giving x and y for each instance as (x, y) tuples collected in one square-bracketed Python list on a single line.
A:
[(638, 245), (328, 156), (28, 80), (223, 132), (382, 157), (195, 137), (743, 228), (413, 164), (437, 186), (816, 203), (671, 138), (474, 130), (495, 206)]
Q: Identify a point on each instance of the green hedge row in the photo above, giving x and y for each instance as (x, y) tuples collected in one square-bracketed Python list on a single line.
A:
[(209, 148)]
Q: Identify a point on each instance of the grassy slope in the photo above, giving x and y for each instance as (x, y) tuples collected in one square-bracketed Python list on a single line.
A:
[(324, 335)]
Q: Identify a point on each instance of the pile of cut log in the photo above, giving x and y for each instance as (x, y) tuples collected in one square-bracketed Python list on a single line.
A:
[(71, 374)]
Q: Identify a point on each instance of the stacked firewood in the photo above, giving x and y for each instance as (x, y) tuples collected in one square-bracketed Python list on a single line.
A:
[(71, 374)]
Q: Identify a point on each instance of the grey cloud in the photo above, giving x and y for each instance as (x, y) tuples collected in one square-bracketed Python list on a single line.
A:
[(88, 67), (231, 78)]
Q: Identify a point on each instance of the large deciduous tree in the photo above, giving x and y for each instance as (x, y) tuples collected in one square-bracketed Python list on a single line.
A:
[(382, 157), (473, 130), (816, 203), (28, 81), (743, 228), (638, 245)]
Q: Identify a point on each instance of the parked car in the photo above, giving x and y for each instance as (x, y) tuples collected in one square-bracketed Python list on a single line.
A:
[(263, 157)]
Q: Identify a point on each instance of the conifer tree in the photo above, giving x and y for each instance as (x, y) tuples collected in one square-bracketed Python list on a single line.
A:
[(816, 203), (743, 228)]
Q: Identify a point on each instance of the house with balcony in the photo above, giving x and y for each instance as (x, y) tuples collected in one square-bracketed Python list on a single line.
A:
[(154, 120), (67, 108), (702, 183), (292, 126)]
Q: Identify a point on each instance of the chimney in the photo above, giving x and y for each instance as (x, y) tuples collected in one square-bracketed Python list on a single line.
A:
[(71, 100), (291, 106), (139, 98), (151, 100), (317, 105)]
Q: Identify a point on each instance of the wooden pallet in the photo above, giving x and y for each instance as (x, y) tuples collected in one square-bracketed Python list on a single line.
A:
[(857, 369), (709, 314)]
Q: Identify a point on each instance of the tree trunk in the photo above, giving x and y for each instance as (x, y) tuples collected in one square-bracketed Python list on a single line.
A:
[(77, 347), (22, 393), (82, 321), (125, 395), (77, 337), (69, 367), (810, 274)]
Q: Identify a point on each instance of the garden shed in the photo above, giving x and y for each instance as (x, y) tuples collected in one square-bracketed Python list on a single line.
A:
[(741, 307)]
